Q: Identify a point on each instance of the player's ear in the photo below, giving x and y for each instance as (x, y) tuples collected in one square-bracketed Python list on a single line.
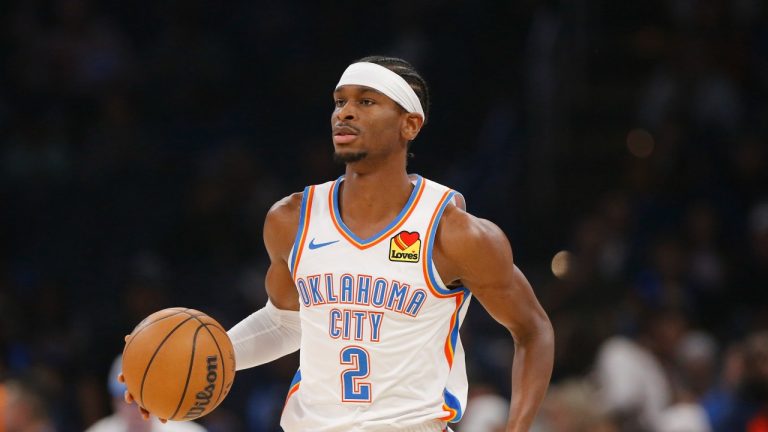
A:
[(411, 126)]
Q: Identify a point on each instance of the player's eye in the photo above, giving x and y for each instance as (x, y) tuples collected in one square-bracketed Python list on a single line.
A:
[(367, 101), (339, 102)]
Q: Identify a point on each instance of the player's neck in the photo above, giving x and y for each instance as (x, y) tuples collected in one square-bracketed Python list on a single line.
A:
[(378, 179), (373, 196)]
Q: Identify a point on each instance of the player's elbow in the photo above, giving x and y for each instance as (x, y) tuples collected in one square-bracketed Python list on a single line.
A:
[(538, 332), (547, 332)]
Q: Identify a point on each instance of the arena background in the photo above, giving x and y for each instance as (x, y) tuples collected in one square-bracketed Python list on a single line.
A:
[(143, 142)]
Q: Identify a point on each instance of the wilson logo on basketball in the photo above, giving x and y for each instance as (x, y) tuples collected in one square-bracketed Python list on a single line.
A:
[(405, 247), (203, 397)]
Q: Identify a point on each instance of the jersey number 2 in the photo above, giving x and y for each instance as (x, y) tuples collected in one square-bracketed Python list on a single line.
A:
[(352, 389)]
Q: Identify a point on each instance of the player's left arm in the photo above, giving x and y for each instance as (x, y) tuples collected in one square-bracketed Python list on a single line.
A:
[(476, 253)]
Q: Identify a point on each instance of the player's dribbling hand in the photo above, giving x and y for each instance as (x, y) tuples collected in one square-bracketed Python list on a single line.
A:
[(129, 397)]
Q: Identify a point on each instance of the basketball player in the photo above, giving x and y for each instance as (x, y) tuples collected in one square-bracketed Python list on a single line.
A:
[(371, 276)]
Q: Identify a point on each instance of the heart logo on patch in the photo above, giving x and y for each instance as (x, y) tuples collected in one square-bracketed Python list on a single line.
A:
[(405, 239)]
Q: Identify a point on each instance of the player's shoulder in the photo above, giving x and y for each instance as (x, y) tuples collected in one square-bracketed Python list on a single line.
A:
[(281, 223), (285, 212), (461, 230), (286, 206), (290, 206)]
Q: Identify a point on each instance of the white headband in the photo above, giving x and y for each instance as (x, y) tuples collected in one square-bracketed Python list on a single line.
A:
[(384, 80)]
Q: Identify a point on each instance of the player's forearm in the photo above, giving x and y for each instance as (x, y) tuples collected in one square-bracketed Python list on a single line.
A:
[(531, 372), (265, 335)]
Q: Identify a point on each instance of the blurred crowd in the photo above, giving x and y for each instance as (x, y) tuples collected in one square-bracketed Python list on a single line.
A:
[(622, 146)]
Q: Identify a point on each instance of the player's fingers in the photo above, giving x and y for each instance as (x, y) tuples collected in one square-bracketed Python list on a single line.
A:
[(127, 337), (121, 378), (128, 397), (144, 413), (163, 420)]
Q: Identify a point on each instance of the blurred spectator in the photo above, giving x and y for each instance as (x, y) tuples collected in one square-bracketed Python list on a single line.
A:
[(631, 374), (570, 407), (486, 411), (721, 400), (682, 417), (126, 417), (696, 359), (692, 370), (750, 410), (24, 408)]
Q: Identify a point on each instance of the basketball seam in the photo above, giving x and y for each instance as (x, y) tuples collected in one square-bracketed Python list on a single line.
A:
[(193, 315), (218, 348), (177, 310), (223, 369), (189, 373), (141, 329), (149, 364), (215, 323)]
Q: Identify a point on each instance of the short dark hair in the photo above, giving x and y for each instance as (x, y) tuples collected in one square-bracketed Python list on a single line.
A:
[(409, 74)]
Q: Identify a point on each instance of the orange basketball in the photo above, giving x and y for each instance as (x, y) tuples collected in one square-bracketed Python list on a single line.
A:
[(178, 364)]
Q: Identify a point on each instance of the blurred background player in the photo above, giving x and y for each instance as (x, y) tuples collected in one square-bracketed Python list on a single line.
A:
[(127, 419)]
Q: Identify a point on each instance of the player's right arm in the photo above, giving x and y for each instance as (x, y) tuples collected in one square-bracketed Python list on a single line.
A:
[(280, 228), (274, 330)]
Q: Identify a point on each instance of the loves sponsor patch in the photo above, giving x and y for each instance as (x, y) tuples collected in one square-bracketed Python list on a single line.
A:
[(405, 247)]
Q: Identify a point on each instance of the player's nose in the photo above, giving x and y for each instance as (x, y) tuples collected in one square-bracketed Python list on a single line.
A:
[(346, 112)]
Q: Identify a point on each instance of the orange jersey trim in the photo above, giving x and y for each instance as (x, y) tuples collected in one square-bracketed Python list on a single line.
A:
[(381, 236), (304, 228)]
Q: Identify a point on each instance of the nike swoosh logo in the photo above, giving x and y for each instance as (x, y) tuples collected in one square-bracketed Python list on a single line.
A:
[(313, 245)]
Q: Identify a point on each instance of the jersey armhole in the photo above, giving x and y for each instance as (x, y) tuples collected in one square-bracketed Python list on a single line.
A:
[(435, 283), (304, 214)]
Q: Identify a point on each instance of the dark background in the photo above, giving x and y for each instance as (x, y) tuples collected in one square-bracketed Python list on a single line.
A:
[(143, 142)]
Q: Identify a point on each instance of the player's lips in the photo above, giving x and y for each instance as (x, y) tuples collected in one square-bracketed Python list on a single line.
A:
[(344, 134), (343, 139)]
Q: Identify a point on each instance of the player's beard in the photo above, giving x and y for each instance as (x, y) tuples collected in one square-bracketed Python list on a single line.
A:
[(345, 158)]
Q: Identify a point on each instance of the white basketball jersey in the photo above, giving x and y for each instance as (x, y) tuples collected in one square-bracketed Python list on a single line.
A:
[(380, 347)]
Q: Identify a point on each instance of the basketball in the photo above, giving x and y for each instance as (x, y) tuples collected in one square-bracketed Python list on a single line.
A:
[(178, 364)]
